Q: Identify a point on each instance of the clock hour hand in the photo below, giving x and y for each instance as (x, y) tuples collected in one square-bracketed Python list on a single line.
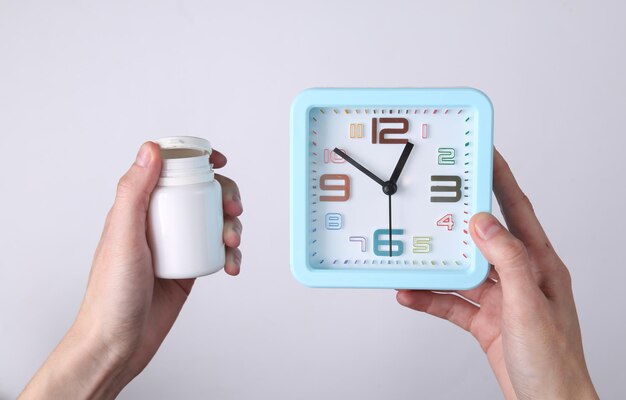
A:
[(400, 165), (359, 166)]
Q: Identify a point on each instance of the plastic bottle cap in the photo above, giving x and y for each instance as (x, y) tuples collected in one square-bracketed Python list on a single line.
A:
[(185, 142), (185, 160)]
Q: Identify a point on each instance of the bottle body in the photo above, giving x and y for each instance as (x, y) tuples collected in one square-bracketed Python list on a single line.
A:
[(185, 224), (185, 217)]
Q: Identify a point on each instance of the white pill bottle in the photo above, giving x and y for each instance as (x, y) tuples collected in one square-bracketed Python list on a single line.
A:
[(185, 218)]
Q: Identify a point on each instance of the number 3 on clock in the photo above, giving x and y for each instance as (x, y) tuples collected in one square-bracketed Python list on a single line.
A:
[(456, 189)]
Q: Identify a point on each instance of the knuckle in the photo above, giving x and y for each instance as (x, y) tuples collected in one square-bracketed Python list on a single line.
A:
[(565, 276), (506, 166), (124, 185), (229, 187), (449, 311), (428, 307), (526, 202), (224, 181), (237, 225), (109, 218), (236, 255), (512, 251), (233, 223), (502, 167), (519, 201)]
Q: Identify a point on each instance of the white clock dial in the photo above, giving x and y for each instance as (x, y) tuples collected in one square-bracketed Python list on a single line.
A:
[(348, 211)]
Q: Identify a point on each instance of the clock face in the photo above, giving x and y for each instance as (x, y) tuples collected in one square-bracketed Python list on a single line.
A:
[(390, 184), (349, 210)]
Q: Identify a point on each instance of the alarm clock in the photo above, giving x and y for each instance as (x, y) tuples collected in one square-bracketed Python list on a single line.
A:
[(384, 183)]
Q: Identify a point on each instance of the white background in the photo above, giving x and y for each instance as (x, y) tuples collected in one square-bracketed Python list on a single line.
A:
[(83, 84)]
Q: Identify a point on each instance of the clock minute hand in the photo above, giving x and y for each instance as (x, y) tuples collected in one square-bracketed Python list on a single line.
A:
[(390, 187), (400, 165), (359, 166)]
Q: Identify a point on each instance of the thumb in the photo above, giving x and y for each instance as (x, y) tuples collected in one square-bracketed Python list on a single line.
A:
[(507, 254), (135, 187)]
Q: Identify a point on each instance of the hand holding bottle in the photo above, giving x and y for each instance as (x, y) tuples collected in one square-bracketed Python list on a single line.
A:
[(126, 312)]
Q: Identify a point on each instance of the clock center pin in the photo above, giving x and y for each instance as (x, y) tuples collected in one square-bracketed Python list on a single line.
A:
[(390, 188)]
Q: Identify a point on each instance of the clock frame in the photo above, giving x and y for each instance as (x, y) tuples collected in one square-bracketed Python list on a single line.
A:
[(391, 105)]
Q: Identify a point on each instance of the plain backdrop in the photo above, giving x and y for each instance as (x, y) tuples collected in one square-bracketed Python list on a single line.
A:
[(84, 83)]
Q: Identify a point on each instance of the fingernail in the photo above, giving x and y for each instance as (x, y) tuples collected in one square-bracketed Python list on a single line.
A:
[(143, 156), (236, 197), (487, 227), (237, 259)]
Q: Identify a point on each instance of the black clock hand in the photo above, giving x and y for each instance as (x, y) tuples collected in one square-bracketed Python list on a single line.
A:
[(390, 186), (400, 165), (390, 235), (359, 166)]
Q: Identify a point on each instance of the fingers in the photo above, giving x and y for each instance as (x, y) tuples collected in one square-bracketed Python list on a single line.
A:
[(476, 294), (516, 207), (217, 159), (231, 198), (134, 189), (232, 231), (507, 253), (233, 261), (185, 284), (233, 208), (446, 306), (232, 239)]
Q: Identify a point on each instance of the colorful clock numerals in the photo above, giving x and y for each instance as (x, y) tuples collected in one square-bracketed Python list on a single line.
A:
[(333, 221), (380, 137), (361, 240), (446, 156), (356, 131), (381, 239), (446, 221), (421, 244), (344, 187), (330, 157), (390, 130), (456, 189)]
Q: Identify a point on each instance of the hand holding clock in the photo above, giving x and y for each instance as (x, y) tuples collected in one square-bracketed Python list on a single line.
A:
[(526, 323)]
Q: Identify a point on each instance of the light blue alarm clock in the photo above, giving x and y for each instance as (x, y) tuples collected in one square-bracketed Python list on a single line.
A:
[(384, 183)]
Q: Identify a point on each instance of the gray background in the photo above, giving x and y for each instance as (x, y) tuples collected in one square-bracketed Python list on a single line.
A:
[(83, 84)]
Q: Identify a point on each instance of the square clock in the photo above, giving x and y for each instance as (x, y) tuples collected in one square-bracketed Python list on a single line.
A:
[(384, 183)]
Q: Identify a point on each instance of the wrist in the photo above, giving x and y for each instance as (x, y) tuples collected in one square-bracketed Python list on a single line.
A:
[(578, 384), (584, 391), (81, 366), (579, 388)]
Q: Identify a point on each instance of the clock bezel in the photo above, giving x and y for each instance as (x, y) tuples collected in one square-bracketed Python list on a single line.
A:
[(299, 193)]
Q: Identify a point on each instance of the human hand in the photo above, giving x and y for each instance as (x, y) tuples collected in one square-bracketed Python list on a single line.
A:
[(526, 321), (127, 312)]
